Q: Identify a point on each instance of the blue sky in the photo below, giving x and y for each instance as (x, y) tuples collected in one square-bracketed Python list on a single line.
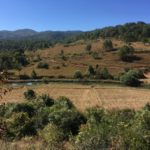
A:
[(71, 14)]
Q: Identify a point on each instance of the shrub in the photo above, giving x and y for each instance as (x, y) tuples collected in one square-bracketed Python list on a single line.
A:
[(33, 75), (29, 95), (78, 74), (64, 102), (126, 53), (43, 65), (25, 107), (68, 120), (107, 45), (104, 74), (130, 78), (90, 71), (53, 136), (20, 125), (48, 101)]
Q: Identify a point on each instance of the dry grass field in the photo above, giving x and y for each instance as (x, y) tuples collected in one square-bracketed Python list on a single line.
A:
[(79, 60), (84, 96)]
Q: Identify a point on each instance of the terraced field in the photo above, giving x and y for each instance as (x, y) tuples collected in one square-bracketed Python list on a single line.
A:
[(84, 96)]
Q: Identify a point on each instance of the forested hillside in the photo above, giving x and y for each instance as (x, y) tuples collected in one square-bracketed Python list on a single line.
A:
[(129, 32)]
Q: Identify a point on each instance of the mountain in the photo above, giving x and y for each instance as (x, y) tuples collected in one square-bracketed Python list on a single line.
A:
[(31, 34)]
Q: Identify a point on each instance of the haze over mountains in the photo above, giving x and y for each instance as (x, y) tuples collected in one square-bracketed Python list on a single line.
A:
[(32, 34)]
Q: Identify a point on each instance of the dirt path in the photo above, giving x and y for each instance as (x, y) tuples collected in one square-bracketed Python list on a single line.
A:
[(84, 96)]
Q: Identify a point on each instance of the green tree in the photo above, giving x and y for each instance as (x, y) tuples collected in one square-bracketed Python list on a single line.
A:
[(130, 78), (29, 95), (108, 45), (104, 74), (33, 75), (78, 74), (90, 71), (126, 53)]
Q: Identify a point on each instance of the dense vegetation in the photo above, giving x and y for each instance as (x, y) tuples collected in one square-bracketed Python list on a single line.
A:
[(17, 45), (55, 122), (12, 60), (32, 40), (128, 32)]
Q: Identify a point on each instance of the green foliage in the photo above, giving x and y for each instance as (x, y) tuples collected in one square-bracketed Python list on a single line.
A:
[(130, 78), (122, 129), (52, 135), (29, 95), (126, 53), (108, 45), (34, 75), (19, 125), (78, 75), (17, 45), (128, 32), (12, 60), (54, 122), (104, 74), (68, 120), (48, 101), (24, 107), (90, 71), (42, 65), (64, 102)]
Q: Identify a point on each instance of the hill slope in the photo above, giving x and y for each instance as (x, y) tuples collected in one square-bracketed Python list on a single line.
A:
[(26, 34)]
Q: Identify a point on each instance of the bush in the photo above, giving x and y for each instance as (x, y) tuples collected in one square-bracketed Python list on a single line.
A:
[(126, 53), (53, 136), (25, 107), (130, 78), (48, 101), (78, 74), (108, 45), (90, 71), (29, 95), (66, 119), (33, 75), (43, 65), (20, 125), (64, 102), (104, 74)]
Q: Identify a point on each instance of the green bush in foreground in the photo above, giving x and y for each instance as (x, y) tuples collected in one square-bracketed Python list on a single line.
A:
[(57, 123), (53, 136)]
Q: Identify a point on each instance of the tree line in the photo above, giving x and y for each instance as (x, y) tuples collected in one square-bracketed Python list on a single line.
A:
[(128, 32), (15, 45)]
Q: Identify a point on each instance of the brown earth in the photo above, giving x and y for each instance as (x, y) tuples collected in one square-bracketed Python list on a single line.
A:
[(79, 60)]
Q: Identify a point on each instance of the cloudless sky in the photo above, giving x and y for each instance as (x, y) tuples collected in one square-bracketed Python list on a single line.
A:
[(71, 14)]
